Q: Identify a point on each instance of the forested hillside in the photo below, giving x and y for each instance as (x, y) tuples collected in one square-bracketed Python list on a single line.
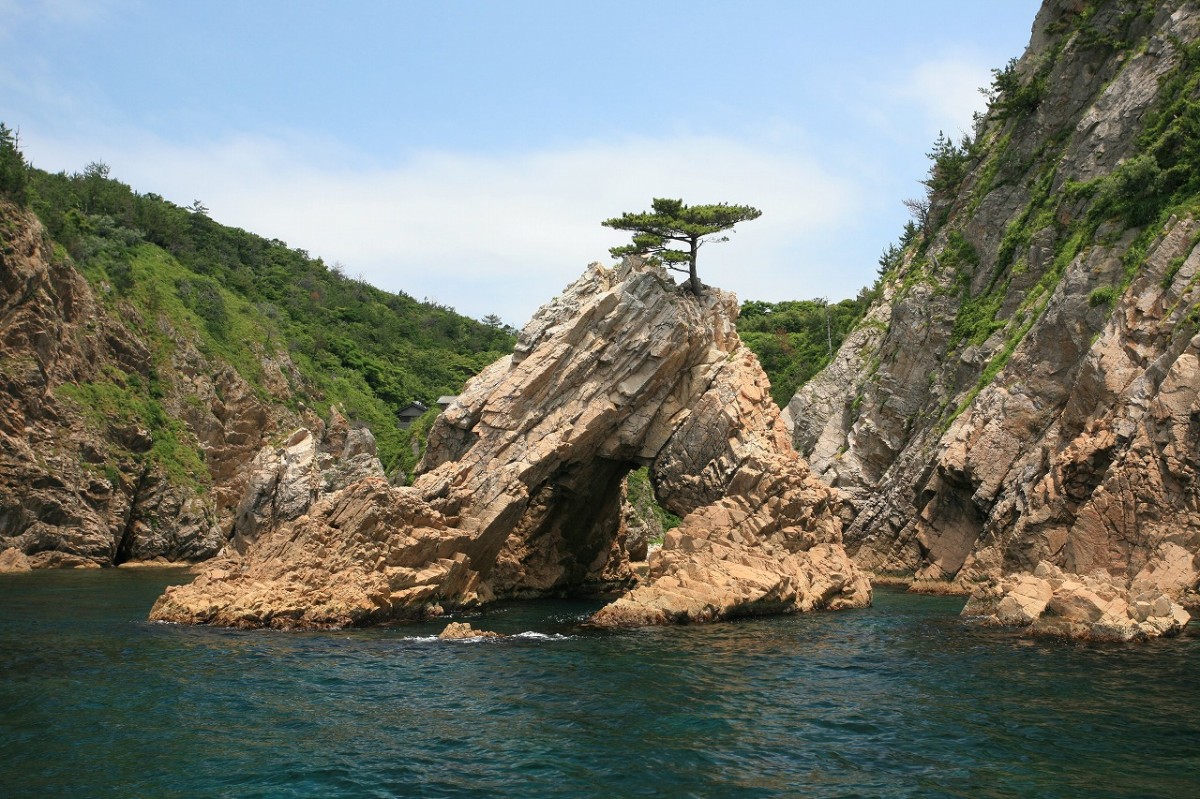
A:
[(370, 350), (148, 354), (795, 339)]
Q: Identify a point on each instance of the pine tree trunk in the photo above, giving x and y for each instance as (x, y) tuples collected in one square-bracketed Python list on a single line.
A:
[(694, 280)]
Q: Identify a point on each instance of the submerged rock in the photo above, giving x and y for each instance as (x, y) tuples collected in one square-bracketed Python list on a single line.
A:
[(519, 492)]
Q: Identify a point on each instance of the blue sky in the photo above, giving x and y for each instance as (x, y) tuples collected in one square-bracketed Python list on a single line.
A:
[(466, 151)]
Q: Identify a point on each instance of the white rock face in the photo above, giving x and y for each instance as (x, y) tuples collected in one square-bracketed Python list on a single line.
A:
[(283, 482)]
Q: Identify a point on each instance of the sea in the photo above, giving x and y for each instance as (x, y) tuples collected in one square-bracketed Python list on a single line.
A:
[(903, 699)]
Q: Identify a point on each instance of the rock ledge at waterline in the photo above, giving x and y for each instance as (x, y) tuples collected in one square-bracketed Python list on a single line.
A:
[(519, 492), (1097, 606)]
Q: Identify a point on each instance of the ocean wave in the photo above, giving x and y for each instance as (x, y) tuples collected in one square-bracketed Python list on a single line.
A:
[(542, 636), (528, 635)]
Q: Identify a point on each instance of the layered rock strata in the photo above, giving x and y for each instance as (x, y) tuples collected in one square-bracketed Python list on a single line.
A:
[(79, 481), (519, 492), (1025, 388), (282, 483)]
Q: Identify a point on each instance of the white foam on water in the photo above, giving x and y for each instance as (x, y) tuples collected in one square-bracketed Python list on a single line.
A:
[(542, 636)]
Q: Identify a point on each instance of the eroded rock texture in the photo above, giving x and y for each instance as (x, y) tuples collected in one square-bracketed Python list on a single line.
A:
[(79, 481), (1025, 389), (519, 491), (1097, 606)]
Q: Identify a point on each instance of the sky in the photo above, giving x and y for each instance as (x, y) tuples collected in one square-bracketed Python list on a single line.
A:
[(466, 151)]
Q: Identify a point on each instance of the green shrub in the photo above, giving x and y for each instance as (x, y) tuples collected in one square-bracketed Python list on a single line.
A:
[(641, 495), (1011, 97), (1134, 191), (1104, 296)]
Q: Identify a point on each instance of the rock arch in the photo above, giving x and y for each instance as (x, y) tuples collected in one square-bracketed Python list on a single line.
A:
[(518, 493)]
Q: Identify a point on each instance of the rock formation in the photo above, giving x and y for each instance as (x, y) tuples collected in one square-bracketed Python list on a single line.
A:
[(284, 482), (461, 630), (519, 490), (80, 483), (1025, 389), (1094, 606)]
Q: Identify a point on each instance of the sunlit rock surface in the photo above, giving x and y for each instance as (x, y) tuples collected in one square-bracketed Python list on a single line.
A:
[(1096, 606), (1026, 387), (519, 493)]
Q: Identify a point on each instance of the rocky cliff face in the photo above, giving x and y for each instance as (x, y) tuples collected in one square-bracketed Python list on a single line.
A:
[(520, 488), (84, 480), (1025, 388)]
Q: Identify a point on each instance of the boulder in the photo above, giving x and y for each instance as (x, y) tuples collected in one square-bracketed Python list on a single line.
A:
[(14, 560), (1025, 600), (1096, 606), (461, 630)]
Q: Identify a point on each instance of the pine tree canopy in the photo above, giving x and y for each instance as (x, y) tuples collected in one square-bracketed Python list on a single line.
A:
[(671, 224)]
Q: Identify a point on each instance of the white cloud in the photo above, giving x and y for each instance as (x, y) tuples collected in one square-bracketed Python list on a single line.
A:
[(946, 91), (495, 234), (65, 13)]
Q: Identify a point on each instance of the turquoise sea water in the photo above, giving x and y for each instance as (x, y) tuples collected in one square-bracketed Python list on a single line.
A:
[(901, 700)]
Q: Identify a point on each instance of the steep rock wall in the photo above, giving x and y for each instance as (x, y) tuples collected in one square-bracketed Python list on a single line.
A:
[(81, 483), (1025, 388)]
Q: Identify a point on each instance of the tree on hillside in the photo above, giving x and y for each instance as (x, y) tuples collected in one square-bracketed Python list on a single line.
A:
[(14, 172), (672, 223)]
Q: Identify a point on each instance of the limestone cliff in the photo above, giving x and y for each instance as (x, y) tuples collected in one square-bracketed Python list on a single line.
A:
[(519, 490), (1025, 388)]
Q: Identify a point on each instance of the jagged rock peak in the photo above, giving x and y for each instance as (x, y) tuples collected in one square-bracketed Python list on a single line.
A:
[(284, 481), (519, 491)]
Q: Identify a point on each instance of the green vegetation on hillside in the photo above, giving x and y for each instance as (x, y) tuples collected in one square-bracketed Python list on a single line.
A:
[(796, 339), (247, 298), (1141, 194), (126, 400), (13, 169), (641, 497)]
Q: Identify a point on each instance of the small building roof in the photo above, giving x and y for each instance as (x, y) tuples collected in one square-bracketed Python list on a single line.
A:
[(409, 413), (414, 409)]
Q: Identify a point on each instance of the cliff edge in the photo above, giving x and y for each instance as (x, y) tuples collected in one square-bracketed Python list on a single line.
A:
[(1025, 389)]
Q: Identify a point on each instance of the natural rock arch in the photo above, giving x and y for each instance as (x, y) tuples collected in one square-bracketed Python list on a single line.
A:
[(519, 490)]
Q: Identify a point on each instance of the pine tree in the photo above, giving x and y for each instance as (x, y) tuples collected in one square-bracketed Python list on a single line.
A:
[(14, 172), (669, 222)]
